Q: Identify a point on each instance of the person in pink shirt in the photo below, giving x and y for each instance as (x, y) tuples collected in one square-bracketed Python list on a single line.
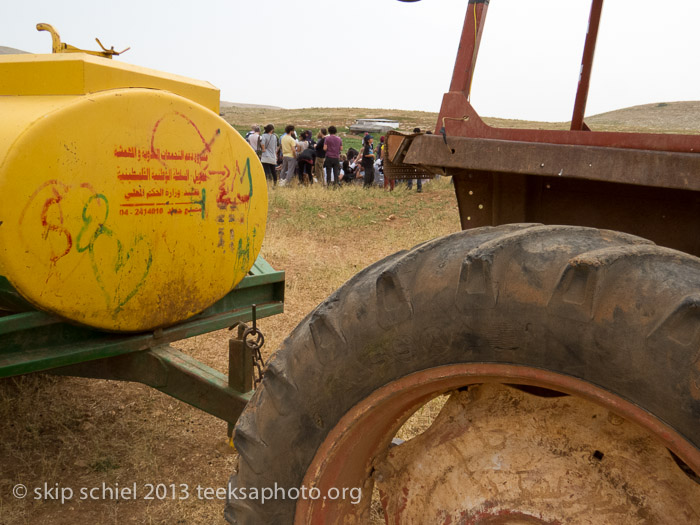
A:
[(332, 146)]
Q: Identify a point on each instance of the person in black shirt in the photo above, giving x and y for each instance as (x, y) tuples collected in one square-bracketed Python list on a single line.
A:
[(320, 156), (306, 160), (368, 160)]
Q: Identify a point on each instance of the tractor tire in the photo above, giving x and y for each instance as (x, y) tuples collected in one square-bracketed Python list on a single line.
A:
[(599, 314)]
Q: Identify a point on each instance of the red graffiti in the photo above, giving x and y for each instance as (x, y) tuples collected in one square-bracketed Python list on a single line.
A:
[(52, 224), (55, 202), (153, 140), (222, 199), (207, 145)]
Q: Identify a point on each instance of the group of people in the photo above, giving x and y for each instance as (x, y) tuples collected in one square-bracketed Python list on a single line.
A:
[(320, 160)]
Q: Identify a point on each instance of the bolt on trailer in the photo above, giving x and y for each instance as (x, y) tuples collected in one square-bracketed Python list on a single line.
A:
[(131, 216), (566, 343)]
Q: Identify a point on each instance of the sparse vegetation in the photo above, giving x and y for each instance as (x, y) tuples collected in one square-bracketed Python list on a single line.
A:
[(242, 118), (663, 117), (84, 433)]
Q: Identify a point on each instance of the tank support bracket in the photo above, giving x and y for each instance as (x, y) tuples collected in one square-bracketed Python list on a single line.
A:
[(172, 372)]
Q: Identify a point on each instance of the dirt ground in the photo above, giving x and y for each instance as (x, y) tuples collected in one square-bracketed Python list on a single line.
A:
[(61, 435), (105, 452)]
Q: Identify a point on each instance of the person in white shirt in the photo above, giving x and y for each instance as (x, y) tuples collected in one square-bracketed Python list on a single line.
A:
[(254, 137)]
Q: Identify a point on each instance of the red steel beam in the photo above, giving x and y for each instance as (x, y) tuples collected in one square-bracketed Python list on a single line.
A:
[(469, 46), (458, 117), (586, 66)]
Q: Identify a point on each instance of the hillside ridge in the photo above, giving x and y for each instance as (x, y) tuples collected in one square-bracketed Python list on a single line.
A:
[(674, 117)]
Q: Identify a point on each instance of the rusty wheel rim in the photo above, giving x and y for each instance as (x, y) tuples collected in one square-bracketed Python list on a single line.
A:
[(348, 455)]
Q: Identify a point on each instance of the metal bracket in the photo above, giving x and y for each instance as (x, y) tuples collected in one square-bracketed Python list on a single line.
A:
[(240, 366), (61, 47), (173, 373)]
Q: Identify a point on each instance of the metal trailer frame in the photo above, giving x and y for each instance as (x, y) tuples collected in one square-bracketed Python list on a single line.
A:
[(646, 184), (36, 341)]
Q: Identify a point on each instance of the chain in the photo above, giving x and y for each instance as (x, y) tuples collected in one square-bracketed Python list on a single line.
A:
[(254, 339)]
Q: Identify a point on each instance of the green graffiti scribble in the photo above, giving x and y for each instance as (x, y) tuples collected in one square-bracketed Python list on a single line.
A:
[(250, 176), (247, 259), (243, 255), (87, 223), (202, 202), (100, 229), (121, 261)]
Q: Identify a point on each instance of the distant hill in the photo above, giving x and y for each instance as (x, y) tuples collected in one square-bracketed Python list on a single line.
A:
[(11, 51), (659, 117), (668, 117), (315, 118), (225, 104), (676, 117)]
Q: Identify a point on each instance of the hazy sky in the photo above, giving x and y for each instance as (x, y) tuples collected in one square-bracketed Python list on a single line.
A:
[(386, 53)]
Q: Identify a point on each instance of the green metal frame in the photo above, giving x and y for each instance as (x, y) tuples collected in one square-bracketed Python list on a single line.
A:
[(34, 341)]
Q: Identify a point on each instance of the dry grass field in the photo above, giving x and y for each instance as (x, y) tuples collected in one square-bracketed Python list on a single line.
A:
[(67, 433), (671, 117), (315, 118), (75, 433)]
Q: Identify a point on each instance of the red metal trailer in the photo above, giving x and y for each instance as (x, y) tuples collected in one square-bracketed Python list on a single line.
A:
[(568, 344)]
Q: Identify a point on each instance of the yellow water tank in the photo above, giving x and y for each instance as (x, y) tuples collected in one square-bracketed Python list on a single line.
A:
[(126, 202)]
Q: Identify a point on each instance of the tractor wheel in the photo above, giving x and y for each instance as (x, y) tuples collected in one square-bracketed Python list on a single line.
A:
[(571, 359)]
